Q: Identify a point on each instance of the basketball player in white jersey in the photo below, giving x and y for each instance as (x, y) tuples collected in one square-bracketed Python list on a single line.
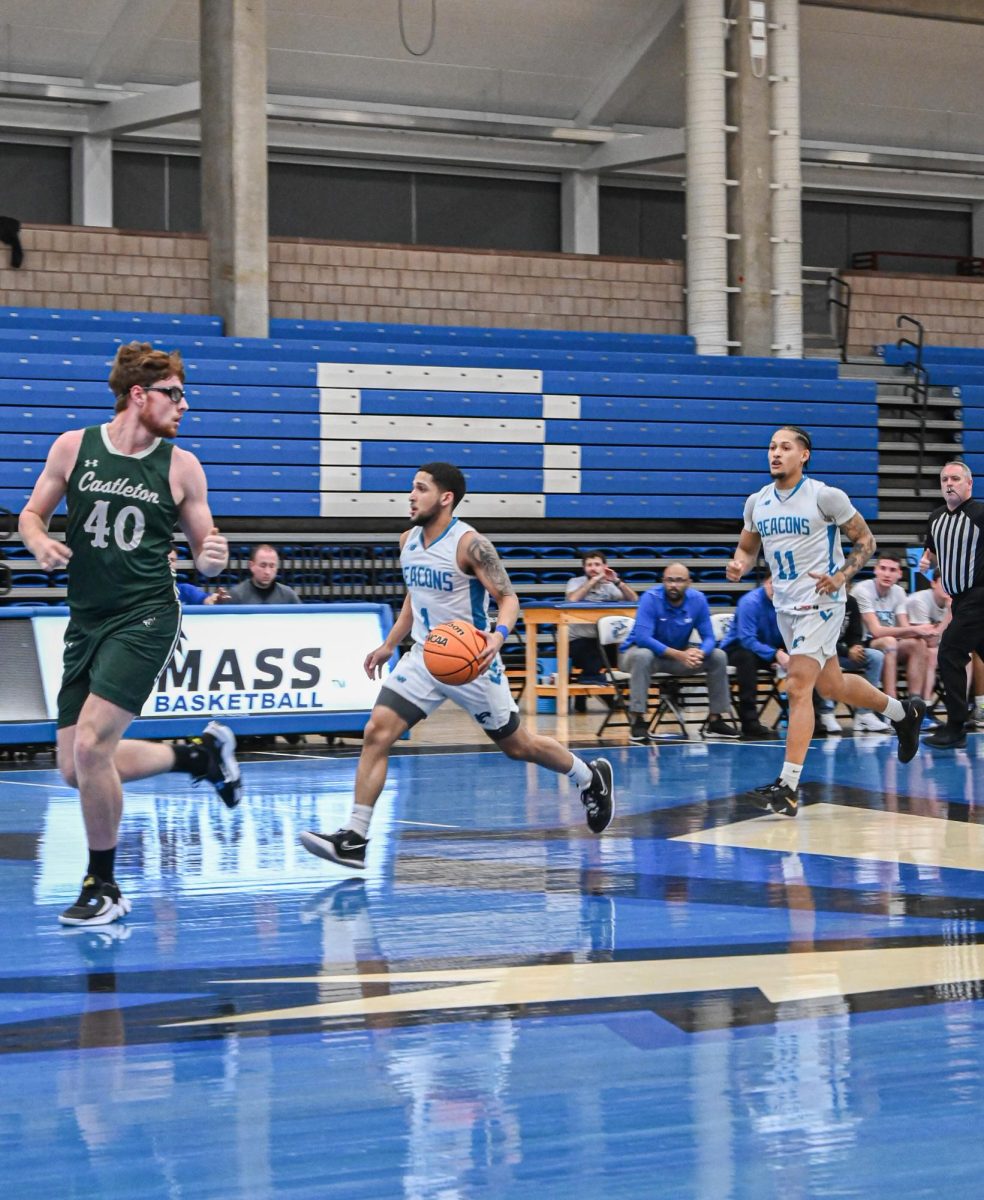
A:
[(450, 571), (798, 523)]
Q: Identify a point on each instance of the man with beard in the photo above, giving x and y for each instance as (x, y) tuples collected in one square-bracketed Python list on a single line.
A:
[(798, 521), (126, 486), (450, 571)]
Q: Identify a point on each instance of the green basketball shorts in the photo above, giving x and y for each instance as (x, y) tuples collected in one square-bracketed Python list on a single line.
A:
[(118, 659)]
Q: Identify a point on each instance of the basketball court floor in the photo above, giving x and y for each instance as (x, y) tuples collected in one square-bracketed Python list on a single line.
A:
[(697, 1005)]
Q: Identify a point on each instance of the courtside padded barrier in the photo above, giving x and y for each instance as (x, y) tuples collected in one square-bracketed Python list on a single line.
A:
[(288, 438)]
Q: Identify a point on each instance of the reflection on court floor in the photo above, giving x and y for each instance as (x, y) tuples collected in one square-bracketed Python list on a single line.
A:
[(699, 1004)]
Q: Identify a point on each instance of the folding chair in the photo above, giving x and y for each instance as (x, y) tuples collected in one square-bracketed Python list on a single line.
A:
[(721, 623), (611, 632), (669, 700)]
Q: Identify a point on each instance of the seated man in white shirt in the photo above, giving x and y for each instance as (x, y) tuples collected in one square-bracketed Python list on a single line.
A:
[(931, 606), (883, 610)]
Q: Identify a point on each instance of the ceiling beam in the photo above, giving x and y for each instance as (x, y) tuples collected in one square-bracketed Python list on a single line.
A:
[(861, 154), (636, 149), (148, 110), (917, 185), (121, 52), (626, 62), (967, 12)]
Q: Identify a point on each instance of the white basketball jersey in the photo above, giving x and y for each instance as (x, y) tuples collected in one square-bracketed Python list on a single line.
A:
[(800, 533), (439, 590)]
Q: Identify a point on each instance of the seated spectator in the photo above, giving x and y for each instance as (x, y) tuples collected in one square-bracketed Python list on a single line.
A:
[(882, 604), (752, 642), (598, 585), (659, 641), (855, 658), (262, 586), (188, 593), (930, 606)]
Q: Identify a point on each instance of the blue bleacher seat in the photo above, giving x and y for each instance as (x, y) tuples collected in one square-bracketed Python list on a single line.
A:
[(637, 415)]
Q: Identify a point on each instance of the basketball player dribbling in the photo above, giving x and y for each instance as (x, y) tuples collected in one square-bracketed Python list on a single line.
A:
[(450, 571), (797, 521), (126, 485)]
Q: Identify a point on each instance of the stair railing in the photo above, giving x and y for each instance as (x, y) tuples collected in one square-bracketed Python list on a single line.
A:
[(918, 389)]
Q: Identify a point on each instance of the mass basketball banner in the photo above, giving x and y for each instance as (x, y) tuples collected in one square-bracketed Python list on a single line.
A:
[(296, 659)]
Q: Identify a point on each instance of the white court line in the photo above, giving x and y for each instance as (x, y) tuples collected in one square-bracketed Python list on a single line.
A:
[(426, 824), (283, 754), (62, 787), (275, 754)]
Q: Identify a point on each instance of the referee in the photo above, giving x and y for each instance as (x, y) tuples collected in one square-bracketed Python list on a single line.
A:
[(955, 543)]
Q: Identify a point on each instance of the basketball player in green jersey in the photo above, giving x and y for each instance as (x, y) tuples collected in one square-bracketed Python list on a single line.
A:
[(126, 486)]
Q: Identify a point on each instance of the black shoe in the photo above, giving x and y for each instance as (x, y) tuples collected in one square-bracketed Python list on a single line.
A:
[(580, 704), (99, 903), (777, 798), (907, 729), (719, 727), (345, 847), (755, 729), (946, 737), (598, 797), (219, 743), (640, 730)]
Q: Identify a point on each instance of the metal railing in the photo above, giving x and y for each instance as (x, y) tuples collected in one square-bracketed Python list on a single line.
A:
[(839, 311), (918, 389), (963, 264)]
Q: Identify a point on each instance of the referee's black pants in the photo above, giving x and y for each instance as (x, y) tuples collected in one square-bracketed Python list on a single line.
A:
[(964, 634)]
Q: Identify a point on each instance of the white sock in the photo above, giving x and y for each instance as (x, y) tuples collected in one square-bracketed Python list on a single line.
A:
[(790, 774), (580, 772), (979, 703), (358, 822), (893, 709)]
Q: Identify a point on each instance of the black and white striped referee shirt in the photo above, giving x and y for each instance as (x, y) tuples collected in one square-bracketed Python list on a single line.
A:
[(957, 540)]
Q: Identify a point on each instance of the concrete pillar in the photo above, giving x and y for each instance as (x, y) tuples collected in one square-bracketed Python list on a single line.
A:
[(579, 212), (787, 177), (750, 164), (707, 224), (977, 229), (234, 162), (92, 180)]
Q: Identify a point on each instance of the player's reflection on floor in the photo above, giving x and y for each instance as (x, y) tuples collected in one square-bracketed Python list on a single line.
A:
[(454, 1079)]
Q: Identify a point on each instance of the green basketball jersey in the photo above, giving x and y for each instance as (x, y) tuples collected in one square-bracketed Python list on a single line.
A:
[(120, 517)]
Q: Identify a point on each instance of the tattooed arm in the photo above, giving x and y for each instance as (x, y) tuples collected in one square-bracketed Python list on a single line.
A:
[(862, 548), (477, 556)]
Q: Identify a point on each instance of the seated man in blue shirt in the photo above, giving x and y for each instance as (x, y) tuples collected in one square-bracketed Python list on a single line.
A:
[(754, 642), (188, 593), (659, 641)]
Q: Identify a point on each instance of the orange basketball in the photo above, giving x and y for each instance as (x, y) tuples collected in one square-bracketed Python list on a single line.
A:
[(452, 651)]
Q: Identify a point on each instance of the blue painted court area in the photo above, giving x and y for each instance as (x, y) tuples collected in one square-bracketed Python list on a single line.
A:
[(696, 1005)]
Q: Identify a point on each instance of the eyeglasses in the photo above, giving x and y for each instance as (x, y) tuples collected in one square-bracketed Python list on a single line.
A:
[(175, 394)]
